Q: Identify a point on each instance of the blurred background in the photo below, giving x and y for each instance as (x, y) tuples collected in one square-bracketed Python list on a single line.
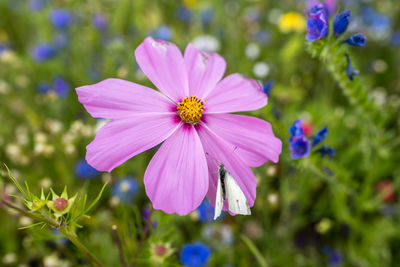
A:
[(327, 209)]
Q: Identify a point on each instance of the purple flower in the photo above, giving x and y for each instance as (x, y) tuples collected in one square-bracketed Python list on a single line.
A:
[(297, 129), (357, 40), (60, 18), (100, 22), (299, 147), (320, 136), (61, 87), (299, 144), (317, 23), (341, 22), (350, 71), (43, 52), (329, 5)]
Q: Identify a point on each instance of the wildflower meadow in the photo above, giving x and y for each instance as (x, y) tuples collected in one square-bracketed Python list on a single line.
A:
[(199, 133)]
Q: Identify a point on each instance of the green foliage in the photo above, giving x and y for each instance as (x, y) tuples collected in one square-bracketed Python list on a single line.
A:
[(304, 208)]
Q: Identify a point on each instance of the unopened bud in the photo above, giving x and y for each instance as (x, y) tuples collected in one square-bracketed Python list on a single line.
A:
[(60, 204)]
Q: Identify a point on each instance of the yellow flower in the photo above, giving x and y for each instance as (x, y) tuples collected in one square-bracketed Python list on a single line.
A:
[(189, 3), (292, 21)]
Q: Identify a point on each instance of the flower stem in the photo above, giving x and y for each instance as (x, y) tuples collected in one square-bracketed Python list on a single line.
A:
[(64, 230), (143, 239), (333, 54), (74, 239)]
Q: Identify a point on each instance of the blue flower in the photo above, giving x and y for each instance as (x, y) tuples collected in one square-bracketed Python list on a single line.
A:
[(184, 14), (206, 211), (60, 40), (3, 48), (195, 255), (341, 22), (37, 5), (263, 37), (206, 17), (317, 23), (327, 151), (357, 40), (350, 71), (61, 86), (100, 22), (84, 171), (296, 130), (60, 18), (320, 136), (335, 258), (299, 147), (267, 87), (379, 24), (43, 87), (125, 189), (396, 39), (43, 52), (163, 32)]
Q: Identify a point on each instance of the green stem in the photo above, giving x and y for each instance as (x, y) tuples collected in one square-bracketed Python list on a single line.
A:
[(333, 54), (143, 239), (74, 239), (64, 230), (257, 254)]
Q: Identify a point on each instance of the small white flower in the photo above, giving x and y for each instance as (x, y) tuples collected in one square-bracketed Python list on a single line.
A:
[(261, 70), (252, 51), (207, 43)]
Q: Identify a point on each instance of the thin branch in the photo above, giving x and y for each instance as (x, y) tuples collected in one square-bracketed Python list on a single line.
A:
[(143, 239), (119, 245)]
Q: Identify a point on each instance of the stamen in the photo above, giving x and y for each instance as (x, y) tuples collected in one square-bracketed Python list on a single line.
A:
[(190, 109)]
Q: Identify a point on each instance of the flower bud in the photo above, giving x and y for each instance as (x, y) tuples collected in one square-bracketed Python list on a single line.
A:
[(341, 22), (60, 204)]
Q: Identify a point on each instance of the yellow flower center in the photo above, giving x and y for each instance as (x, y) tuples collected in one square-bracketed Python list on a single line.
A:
[(190, 109)]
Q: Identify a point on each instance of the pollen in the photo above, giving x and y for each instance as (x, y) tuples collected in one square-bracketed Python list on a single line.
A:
[(190, 109)]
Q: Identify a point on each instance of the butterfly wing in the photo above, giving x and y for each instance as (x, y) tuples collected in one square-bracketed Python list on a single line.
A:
[(236, 199), (219, 201)]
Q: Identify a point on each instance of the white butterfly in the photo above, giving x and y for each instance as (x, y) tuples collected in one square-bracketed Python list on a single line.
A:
[(228, 188)]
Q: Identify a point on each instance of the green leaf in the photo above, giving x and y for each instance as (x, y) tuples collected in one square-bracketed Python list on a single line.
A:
[(32, 225), (17, 184), (97, 198)]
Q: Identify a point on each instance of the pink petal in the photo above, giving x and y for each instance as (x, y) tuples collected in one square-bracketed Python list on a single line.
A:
[(176, 179), (121, 139), (254, 139), (115, 98), (235, 93), (219, 151), (163, 64), (204, 70)]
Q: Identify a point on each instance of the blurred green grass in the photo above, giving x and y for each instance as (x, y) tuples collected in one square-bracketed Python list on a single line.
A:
[(304, 209)]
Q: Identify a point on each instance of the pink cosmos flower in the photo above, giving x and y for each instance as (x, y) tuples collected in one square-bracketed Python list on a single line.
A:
[(189, 116)]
